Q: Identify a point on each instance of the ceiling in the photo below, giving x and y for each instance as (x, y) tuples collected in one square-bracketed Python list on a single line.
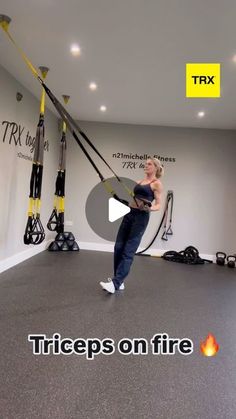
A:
[(135, 50)]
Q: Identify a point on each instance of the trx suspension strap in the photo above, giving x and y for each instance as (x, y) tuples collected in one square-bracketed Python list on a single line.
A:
[(73, 126), (34, 231), (168, 230), (169, 198), (56, 220), (66, 117)]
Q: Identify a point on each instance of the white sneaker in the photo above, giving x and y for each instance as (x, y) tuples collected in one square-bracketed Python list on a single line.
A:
[(108, 286), (122, 287)]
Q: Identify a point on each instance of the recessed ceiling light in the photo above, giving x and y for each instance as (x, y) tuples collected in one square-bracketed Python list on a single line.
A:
[(93, 86), (103, 108), (201, 114), (234, 58), (75, 50)]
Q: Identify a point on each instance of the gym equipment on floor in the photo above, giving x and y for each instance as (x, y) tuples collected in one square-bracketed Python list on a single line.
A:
[(64, 242), (189, 256), (220, 258), (231, 259)]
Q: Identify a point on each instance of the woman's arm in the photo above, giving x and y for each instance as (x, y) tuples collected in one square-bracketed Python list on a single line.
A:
[(157, 195)]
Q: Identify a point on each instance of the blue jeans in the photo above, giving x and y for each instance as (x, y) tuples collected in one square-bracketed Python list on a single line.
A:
[(128, 239)]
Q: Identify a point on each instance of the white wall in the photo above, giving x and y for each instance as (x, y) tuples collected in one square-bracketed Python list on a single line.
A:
[(202, 178), (15, 171)]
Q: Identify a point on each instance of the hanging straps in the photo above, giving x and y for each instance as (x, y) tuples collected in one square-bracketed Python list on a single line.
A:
[(168, 230), (66, 117), (56, 219), (73, 127), (169, 198), (4, 23), (34, 231)]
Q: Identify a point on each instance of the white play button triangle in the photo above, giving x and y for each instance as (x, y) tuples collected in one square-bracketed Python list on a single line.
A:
[(116, 210)]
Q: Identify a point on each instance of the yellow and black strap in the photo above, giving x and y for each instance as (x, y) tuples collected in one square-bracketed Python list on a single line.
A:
[(56, 219), (34, 231), (66, 117)]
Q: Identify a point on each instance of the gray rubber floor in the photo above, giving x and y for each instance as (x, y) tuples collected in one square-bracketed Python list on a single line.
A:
[(59, 292)]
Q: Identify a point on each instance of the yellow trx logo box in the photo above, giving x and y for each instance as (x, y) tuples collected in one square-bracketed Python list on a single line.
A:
[(202, 80)]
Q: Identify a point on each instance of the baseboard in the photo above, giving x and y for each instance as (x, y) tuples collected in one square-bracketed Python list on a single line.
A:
[(21, 256), (106, 247), (208, 257), (100, 247)]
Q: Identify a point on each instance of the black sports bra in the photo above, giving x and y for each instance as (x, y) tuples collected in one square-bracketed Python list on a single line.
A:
[(144, 191)]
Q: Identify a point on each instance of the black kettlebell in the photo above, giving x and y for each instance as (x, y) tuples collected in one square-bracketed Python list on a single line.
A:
[(220, 258), (231, 259)]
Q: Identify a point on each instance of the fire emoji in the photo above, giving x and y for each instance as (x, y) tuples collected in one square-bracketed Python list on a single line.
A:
[(209, 347)]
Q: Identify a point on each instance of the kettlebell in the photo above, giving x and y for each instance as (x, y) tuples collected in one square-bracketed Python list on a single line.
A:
[(220, 258), (231, 259)]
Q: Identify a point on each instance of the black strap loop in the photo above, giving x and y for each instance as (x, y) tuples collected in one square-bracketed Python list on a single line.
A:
[(34, 232), (169, 198)]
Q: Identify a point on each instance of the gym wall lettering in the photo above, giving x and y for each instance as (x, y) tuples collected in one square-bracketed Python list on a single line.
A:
[(137, 161), (16, 135)]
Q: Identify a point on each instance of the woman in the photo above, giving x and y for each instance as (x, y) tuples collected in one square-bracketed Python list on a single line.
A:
[(135, 223)]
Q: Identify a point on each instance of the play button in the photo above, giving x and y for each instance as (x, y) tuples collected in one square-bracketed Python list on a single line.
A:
[(103, 212), (116, 210)]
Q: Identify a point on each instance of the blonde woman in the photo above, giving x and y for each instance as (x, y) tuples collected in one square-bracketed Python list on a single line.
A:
[(147, 198)]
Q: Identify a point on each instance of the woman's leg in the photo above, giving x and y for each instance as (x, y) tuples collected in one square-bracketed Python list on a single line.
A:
[(121, 238), (126, 256)]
